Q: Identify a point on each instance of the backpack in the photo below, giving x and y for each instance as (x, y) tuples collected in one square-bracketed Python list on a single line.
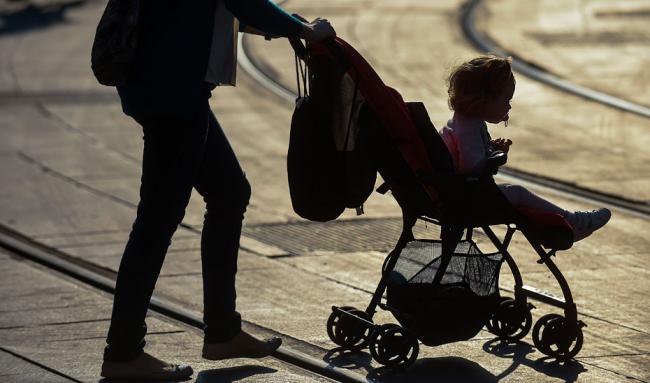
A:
[(328, 164), (115, 42)]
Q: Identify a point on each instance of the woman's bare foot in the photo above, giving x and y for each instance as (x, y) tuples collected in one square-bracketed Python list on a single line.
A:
[(243, 345), (146, 367)]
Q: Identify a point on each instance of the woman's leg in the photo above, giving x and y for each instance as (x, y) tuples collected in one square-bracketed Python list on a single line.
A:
[(226, 192), (172, 150)]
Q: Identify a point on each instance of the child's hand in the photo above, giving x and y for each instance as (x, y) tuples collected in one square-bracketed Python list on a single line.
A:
[(502, 144)]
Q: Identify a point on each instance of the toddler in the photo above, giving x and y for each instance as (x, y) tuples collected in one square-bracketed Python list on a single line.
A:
[(480, 91)]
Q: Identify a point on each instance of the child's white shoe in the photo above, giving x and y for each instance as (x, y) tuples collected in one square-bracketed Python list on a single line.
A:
[(586, 222)]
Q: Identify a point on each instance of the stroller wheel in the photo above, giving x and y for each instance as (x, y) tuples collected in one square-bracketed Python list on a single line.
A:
[(393, 346), (346, 330), (488, 324), (511, 321), (557, 338), (537, 331)]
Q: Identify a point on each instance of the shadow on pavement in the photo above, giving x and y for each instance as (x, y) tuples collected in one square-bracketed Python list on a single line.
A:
[(114, 380), (449, 369), (568, 371), (231, 374), (33, 17), (339, 357), (445, 369), (456, 369), (216, 375)]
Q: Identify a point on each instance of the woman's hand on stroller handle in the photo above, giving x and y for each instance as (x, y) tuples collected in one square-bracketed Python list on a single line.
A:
[(317, 30)]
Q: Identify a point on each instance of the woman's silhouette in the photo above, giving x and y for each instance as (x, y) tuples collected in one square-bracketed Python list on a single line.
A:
[(185, 50)]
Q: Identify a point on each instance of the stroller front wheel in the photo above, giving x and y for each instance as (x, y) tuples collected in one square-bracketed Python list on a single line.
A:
[(349, 328), (393, 346), (556, 337), (511, 321)]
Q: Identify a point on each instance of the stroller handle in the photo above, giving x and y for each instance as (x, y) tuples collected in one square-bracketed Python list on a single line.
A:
[(300, 48)]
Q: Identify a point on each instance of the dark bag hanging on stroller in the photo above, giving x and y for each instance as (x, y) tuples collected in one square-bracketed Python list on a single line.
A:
[(328, 166)]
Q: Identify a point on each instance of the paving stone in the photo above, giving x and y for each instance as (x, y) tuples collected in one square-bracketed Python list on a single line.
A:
[(569, 39), (17, 370), (72, 345)]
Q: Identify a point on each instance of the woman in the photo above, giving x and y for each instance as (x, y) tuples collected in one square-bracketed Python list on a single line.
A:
[(186, 49)]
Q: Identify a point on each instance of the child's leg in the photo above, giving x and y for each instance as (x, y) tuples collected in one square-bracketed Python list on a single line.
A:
[(583, 222), (520, 196)]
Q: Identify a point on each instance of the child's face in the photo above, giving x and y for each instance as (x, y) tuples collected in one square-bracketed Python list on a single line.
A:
[(496, 109)]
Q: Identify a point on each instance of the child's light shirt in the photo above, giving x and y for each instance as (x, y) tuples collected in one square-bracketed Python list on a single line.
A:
[(468, 142)]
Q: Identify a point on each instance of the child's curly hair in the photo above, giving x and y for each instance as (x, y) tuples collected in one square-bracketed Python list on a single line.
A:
[(479, 79)]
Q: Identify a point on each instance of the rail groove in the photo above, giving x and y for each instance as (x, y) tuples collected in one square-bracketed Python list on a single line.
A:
[(57, 260), (481, 42)]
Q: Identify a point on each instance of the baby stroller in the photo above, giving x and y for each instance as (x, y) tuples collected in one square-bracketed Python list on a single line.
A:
[(443, 290)]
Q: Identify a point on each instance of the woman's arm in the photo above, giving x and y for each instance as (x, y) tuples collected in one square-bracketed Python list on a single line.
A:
[(252, 31), (264, 17)]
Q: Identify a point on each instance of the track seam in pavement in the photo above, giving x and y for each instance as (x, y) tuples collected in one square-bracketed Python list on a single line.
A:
[(46, 169), (51, 258), (531, 70), (44, 367), (612, 371)]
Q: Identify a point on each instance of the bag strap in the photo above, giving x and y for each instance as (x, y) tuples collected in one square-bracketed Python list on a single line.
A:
[(349, 128), (359, 209), (301, 73)]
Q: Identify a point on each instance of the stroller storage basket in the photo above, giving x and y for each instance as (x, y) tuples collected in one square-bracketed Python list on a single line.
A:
[(459, 306)]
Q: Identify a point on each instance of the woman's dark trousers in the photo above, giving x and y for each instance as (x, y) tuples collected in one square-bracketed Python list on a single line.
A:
[(181, 154)]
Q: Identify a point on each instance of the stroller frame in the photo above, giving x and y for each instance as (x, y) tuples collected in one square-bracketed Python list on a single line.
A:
[(557, 336), (410, 156)]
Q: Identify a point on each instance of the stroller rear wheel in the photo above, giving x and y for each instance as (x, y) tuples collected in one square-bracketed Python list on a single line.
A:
[(511, 321), (556, 337), (346, 330), (393, 346)]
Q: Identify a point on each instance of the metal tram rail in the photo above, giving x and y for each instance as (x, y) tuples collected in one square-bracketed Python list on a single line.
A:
[(93, 276), (482, 43)]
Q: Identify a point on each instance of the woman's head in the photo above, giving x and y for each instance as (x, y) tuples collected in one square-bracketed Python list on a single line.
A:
[(482, 87)]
